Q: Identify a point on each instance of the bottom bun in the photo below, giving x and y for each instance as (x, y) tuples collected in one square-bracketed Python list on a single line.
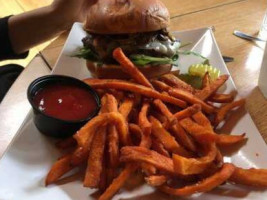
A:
[(115, 71)]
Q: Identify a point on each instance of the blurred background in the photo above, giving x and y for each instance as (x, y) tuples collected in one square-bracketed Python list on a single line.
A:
[(12, 7)]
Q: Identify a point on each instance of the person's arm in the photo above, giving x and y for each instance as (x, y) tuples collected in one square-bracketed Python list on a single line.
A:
[(31, 28)]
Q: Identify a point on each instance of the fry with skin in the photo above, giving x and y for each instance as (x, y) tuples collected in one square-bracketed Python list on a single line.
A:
[(189, 166), (156, 180), (166, 138), (214, 86), (175, 82), (188, 97), (188, 112), (95, 160), (59, 168), (135, 88), (128, 67), (222, 112), (250, 177), (205, 185)]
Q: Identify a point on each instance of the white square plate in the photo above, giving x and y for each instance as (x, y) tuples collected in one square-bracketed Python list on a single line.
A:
[(25, 165)]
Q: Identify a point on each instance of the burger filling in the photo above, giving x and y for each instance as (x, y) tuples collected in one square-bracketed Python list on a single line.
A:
[(152, 48)]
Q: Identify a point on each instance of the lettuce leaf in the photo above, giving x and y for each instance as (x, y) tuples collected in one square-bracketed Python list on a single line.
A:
[(141, 60)]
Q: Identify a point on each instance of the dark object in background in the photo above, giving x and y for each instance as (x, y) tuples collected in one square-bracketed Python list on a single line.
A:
[(8, 74)]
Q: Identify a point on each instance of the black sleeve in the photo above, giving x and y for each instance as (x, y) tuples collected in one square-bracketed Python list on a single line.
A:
[(6, 51)]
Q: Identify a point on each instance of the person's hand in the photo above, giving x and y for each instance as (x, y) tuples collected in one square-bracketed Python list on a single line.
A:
[(70, 11)]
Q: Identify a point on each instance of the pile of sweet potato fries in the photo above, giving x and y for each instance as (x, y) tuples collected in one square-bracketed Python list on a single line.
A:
[(162, 127)]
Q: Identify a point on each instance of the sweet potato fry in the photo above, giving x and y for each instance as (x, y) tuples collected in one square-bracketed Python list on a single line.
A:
[(126, 107), (224, 140), (205, 185), (143, 122), (156, 180), (118, 182), (166, 138), (95, 160), (158, 147), (165, 111), (174, 81), (188, 97), (129, 68), (141, 154), (161, 86), (223, 98), (79, 156), (135, 88), (183, 138), (202, 120), (60, 167), (111, 103), (66, 143), (222, 112), (188, 166), (200, 133), (188, 112), (250, 177), (113, 145), (214, 86), (85, 135)]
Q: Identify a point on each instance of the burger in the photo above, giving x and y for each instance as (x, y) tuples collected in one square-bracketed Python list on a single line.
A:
[(139, 27)]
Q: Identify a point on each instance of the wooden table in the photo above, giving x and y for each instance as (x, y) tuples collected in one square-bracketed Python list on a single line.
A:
[(226, 16)]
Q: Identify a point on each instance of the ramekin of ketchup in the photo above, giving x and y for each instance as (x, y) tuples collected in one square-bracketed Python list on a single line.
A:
[(62, 104)]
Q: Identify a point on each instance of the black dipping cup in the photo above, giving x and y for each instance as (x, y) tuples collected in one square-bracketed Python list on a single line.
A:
[(52, 126)]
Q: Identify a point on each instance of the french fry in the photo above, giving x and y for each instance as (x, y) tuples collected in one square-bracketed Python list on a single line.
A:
[(59, 168), (161, 86), (85, 135), (165, 111), (222, 112), (166, 138), (141, 154), (156, 180), (126, 107), (118, 182), (188, 112), (225, 140), (200, 133), (188, 97), (214, 86), (202, 120), (95, 160), (183, 137), (174, 81), (143, 122), (223, 98), (205, 185), (250, 177), (158, 147), (128, 67), (135, 88), (189, 166)]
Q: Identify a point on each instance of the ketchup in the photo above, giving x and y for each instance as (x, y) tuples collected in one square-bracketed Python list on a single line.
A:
[(66, 102)]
